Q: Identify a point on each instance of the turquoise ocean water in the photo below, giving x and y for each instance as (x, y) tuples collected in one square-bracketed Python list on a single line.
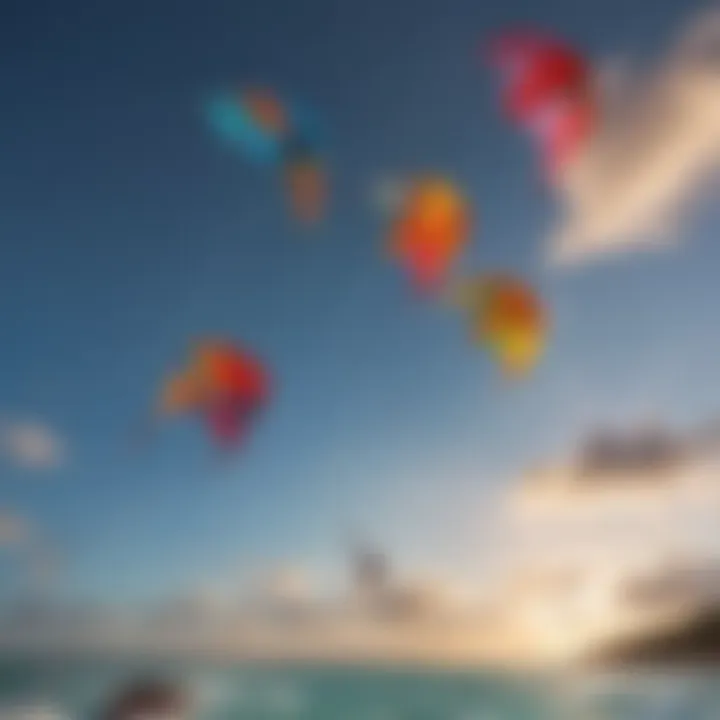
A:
[(76, 691)]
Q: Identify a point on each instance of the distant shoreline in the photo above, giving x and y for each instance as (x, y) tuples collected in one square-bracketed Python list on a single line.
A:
[(368, 663)]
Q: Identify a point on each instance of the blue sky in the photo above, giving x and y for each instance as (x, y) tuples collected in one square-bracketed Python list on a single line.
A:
[(126, 231)]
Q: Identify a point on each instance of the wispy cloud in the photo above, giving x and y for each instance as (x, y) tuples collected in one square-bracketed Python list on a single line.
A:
[(31, 445), (658, 142)]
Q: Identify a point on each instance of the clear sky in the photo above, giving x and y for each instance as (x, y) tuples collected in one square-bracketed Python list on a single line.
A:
[(126, 231)]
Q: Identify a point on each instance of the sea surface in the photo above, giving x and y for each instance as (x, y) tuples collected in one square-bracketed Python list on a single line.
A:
[(77, 691)]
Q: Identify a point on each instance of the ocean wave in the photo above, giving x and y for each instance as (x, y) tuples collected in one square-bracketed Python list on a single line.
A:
[(31, 711), (219, 698)]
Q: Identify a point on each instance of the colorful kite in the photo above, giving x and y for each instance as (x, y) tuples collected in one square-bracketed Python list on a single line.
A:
[(305, 175), (430, 229), (548, 91), (226, 386), (265, 129), (507, 317)]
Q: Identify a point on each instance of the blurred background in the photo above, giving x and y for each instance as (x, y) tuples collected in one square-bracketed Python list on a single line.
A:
[(363, 470)]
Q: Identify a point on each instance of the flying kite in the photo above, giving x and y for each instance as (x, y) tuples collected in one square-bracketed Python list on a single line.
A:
[(547, 91), (270, 132), (224, 385), (305, 176), (430, 229), (508, 317)]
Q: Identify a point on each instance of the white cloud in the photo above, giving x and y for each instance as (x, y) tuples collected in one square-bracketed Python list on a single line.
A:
[(31, 445), (658, 142)]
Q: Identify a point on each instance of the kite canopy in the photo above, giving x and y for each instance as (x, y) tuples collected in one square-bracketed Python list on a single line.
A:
[(547, 90), (181, 393), (507, 317), (254, 123), (268, 131), (430, 229), (224, 385)]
